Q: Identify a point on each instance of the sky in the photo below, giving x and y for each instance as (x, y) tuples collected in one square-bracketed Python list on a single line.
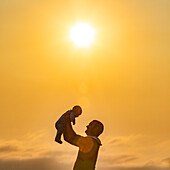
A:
[(122, 79)]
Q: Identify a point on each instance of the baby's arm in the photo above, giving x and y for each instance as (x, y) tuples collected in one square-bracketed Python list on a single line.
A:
[(72, 118)]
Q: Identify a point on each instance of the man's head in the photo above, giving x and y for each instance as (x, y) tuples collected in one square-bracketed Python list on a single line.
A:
[(95, 128), (77, 110)]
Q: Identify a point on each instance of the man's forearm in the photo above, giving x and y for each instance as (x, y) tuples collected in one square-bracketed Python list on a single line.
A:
[(69, 133)]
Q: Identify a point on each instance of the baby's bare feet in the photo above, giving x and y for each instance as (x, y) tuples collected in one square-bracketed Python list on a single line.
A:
[(58, 140)]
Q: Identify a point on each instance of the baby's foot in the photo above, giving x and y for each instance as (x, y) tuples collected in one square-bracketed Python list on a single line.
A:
[(58, 140)]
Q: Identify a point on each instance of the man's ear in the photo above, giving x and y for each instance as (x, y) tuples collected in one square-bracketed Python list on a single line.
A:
[(97, 128)]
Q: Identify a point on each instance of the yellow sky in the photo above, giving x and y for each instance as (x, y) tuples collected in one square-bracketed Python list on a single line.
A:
[(122, 79)]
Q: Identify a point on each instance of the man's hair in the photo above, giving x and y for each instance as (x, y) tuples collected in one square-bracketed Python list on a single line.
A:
[(101, 127)]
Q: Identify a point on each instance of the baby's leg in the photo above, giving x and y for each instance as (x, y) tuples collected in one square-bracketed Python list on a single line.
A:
[(58, 137), (60, 129)]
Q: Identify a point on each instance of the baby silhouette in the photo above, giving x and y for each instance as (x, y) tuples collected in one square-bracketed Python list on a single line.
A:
[(60, 124)]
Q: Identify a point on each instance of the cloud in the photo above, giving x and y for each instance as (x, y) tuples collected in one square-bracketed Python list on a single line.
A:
[(33, 164), (152, 163), (33, 152), (54, 164), (117, 159), (124, 158), (115, 141), (166, 161), (34, 146), (124, 140), (140, 149), (132, 168), (163, 145), (8, 148)]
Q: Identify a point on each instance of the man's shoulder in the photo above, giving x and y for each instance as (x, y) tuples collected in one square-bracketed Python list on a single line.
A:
[(88, 141)]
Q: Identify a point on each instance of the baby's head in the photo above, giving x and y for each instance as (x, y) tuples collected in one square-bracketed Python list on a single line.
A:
[(77, 110)]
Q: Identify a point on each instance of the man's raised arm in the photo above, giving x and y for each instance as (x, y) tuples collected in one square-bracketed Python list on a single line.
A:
[(69, 134)]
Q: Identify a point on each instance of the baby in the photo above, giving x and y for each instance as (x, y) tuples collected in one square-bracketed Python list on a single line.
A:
[(60, 124)]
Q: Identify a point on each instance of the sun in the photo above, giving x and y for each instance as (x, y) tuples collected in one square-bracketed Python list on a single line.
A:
[(82, 34)]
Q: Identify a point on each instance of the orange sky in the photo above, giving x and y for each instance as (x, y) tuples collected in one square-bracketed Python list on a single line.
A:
[(122, 79)]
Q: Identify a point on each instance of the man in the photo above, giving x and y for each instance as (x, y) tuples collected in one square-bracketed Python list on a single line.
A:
[(88, 146)]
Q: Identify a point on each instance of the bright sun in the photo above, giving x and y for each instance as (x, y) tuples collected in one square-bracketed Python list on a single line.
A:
[(82, 34)]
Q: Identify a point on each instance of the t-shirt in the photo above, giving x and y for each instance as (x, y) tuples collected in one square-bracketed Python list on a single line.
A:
[(88, 152)]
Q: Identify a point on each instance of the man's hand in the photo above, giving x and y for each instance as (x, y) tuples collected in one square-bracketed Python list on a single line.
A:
[(74, 122)]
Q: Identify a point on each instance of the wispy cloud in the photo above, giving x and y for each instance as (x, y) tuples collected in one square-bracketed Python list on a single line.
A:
[(31, 146), (133, 168), (118, 159), (8, 148), (166, 161), (33, 152), (33, 164), (134, 150), (124, 140), (53, 164)]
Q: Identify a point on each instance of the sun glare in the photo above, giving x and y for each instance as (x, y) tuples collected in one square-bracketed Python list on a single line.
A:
[(82, 34)]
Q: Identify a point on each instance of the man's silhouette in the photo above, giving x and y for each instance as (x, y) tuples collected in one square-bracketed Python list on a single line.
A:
[(88, 146)]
